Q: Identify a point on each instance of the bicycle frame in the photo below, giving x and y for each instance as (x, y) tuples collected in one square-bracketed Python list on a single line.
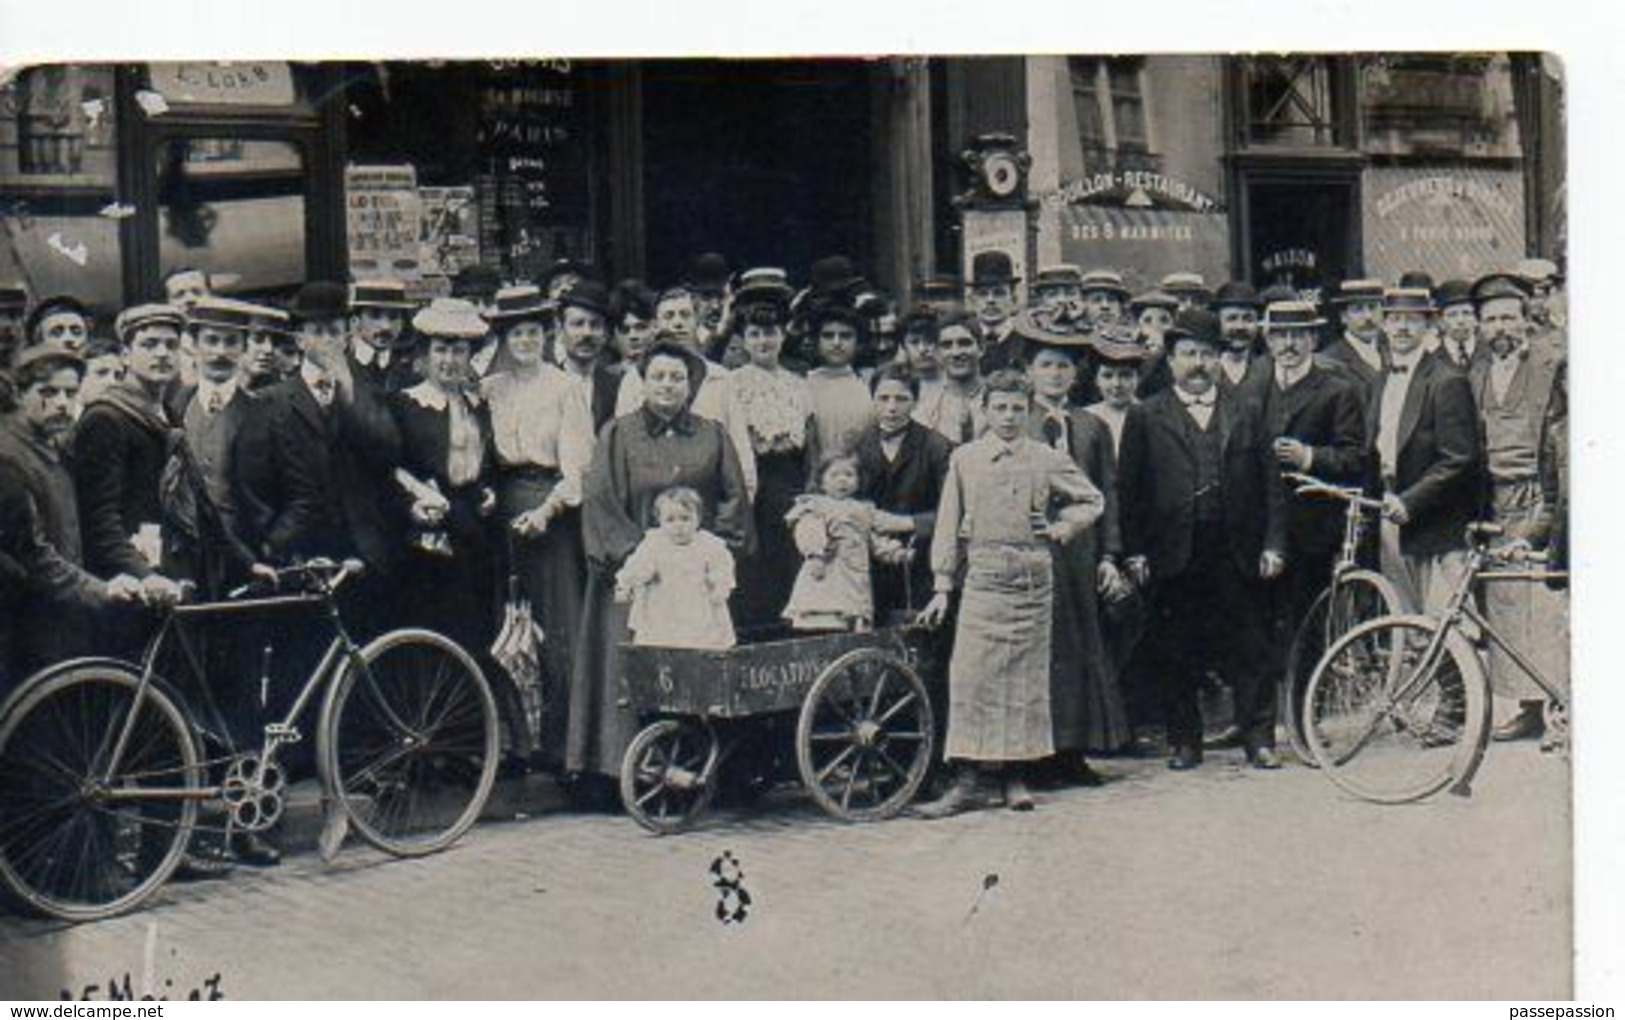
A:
[(341, 649)]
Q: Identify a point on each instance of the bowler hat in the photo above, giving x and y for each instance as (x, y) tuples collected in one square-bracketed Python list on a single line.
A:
[(707, 273), (1277, 292), (1359, 290), (1292, 315), (585, 293), (449, 318), (140, 316), (833, 273), (1105, 280), (1416, 279), (1196, 324), (990, 268), (1235, 292), (383, 293), (1407, 299), (1453, 292), (517, 303), (321, 299), (1499, 285), (476, 281)]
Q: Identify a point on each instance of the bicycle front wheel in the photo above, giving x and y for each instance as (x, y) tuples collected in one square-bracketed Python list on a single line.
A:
[(71, 847), (411, 742), (1392, 719), (1354, 598)]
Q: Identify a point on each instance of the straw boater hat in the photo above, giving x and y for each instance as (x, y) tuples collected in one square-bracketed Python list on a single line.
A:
[(239, 316), (1292, 315), (1192, 286), (1350, 291), (521, 302), (450, 318), (1538, 272), (1105, 280), (1408, 299)]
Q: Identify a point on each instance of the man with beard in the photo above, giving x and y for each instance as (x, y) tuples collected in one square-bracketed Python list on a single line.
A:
[(955, 408), (1459, 325), (380, 356), (1360, 350), (1425, 458), (1512, 388), (582, 333), (993, 301), (1243, 371), (47, 599), (1204, 529)]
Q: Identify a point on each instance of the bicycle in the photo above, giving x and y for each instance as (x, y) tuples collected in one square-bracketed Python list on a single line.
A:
[(1353, 596), (1399, 708), (103, 777)]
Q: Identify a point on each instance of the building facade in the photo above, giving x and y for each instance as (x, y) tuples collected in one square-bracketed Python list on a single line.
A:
[(1301, 169)]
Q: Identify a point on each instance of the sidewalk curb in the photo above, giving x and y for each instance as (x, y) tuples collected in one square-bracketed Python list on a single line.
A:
[(301, 825)]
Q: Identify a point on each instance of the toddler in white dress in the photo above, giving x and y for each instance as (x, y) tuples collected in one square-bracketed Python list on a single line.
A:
[(678, 579)]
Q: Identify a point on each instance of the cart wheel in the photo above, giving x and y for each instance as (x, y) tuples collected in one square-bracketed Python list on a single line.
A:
[(865, 737), (667, 776)]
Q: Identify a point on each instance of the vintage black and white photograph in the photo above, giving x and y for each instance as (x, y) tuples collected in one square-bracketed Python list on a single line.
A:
[(1062, 525)]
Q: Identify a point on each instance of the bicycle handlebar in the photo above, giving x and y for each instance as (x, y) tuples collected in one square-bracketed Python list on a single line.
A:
[(326, 574), (1309, 485)]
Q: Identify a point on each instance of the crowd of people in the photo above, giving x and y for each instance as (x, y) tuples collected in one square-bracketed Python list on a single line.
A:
[(1087, 489)]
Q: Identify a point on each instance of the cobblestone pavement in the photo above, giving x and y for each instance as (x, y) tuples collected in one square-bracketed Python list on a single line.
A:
[(1223, 883)]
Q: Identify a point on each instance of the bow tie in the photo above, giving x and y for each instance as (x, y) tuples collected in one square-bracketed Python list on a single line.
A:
[(1398, 369)]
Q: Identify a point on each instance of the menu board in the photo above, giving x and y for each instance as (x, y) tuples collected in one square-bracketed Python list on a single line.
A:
[(533, 189)]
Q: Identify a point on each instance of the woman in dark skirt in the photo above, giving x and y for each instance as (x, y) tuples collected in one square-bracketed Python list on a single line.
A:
[(637, 457), (777, 409), (542, 433), (1086, 703), (441, 483)]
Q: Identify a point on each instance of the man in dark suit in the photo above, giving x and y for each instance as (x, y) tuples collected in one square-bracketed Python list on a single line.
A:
[(1244, 370), (1360, 350), (994, 303), (1317, 426), (582, 333), (380, 353), (1425, 457), (1203, 523), (317, 456), (1458, 322)]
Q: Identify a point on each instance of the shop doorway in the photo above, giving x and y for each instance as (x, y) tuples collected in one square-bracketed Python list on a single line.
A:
[(768, 162), (1300, 232)]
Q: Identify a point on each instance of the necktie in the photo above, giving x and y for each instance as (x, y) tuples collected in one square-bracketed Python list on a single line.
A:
[(967, 423), (1052, 432), (215, 402), (324, 392)]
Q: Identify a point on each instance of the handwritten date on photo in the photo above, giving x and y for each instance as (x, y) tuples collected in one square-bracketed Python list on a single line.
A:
[(123, 990)]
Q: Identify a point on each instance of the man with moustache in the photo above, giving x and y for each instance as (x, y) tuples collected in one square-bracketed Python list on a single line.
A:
[(1512, 387), (1317, 425), (47, 599), (1548, 328), (1057, 299), (380, 356), (1204, 530), (1458, 322), (956, 409), (583, 309), (1244, 370), (993, 301), (1104, 300), (1360, 350), (1424, 457)]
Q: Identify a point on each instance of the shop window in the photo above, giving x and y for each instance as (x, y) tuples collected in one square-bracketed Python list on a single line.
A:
[(234, 207), (1439, 104), (1292, 101), (1108, 95)]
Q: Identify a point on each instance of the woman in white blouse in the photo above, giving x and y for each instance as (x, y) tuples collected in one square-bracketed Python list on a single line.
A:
[(541, 428)]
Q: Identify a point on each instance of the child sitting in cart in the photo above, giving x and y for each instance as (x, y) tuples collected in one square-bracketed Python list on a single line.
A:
[(836, 533), (678, 579)]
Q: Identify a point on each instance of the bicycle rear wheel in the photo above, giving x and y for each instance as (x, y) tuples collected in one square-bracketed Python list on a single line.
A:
[(1391, 724), (411, 743), (1351, 600), (67, 850)]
